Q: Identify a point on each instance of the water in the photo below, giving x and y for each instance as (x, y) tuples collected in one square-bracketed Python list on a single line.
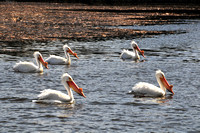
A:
[(106, 81)]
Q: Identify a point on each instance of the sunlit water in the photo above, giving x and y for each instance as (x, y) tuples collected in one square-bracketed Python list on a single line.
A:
[(106, 81)]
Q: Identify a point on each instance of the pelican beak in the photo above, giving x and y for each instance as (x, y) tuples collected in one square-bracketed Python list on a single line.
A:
[(72, 53), (73, 85), (166, 84), (45, 64), (141, 51)]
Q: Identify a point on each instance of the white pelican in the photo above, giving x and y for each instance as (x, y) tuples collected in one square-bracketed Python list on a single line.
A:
[(54, 96), (149, 90), (132, 55), (29, 67), (57, 60)]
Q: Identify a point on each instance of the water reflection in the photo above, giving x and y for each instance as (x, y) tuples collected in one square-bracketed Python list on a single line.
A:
[(152, 100), (60, 105)]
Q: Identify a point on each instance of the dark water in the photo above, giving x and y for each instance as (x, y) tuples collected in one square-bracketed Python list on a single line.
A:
[(106, 81)]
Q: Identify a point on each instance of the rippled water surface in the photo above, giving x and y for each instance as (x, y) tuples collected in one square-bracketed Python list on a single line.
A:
[(106, 81)]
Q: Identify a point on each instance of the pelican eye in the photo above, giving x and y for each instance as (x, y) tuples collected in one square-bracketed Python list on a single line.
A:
[(68, 50), (70, 79), (39, 57)]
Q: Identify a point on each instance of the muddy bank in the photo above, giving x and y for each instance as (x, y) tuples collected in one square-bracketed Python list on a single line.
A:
[(25, 22)]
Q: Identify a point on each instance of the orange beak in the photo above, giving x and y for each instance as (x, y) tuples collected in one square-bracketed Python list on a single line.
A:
[(166, 84), (78, 90), (72, 53), (141, 51), (45, 64)]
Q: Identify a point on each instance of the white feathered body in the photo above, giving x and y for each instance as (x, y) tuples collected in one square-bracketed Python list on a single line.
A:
[(53, 96), (27, 67), (146, 89), (129, 55), (56, 60)]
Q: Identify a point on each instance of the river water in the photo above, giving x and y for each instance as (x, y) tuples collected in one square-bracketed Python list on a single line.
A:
[(106, 81)]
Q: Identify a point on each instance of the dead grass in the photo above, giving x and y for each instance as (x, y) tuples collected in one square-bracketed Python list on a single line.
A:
[(50, 21)]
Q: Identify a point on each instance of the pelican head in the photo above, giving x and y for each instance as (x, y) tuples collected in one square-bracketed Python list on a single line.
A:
[(162, 81), (67, 49), (39, 58), (67, 80), (135, 46)]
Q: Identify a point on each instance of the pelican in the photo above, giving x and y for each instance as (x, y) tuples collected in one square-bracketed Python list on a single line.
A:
[(132, 55), (54, 96), (57, 60), (149, 90), (29, 67)]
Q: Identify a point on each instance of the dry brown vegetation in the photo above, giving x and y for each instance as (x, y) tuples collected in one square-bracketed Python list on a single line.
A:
[(49, 21)]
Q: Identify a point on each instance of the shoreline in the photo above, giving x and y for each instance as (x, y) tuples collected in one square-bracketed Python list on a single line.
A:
[(43, 22)]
